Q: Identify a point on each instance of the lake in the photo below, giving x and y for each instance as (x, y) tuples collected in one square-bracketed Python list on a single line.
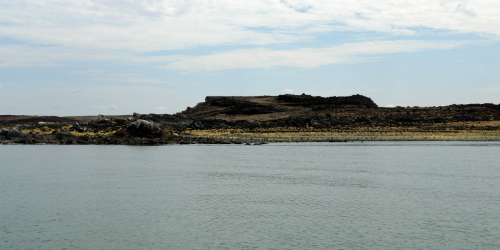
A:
[(371, 195)]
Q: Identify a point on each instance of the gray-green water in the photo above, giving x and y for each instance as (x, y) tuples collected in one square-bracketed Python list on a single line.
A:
[(382, 195)]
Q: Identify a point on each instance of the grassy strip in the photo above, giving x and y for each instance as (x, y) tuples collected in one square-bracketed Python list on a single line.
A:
[(345, 138), (354, 135), (292, 134)]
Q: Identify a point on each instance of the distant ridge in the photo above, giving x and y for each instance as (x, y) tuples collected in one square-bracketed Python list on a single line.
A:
[(300, 100), (270, 107)]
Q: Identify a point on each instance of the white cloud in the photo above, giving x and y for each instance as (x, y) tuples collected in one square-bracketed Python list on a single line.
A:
[(288, 91), (52, 32), (113, 107), (390, 106), (25, 55), (172, 24), (47, 56), (99, 92), (130, 80), (305, 58), (131, 26)]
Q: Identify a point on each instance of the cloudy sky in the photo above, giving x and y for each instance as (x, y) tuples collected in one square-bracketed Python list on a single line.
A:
[(88, 57)]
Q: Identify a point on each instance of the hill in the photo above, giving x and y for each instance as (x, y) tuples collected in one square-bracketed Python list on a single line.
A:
[(265, 108)]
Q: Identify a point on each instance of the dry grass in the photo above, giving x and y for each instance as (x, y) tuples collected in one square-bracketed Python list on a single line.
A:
[(48, 131), (431, 133)]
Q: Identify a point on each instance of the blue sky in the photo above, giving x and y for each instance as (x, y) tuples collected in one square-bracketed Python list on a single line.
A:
[(93, 57)]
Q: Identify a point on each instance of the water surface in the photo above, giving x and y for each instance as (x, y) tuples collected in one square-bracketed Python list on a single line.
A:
[(380, 195)]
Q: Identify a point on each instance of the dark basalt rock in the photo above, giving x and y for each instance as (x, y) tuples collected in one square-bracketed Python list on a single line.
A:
[(318, 102), (65, 135), (238, 106), (466, 118), (122, 121), (480, 105), (224, 101), (11, 133), (250, 110)]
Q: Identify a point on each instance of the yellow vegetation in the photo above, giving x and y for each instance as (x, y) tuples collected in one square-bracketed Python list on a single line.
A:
[(277, 134)]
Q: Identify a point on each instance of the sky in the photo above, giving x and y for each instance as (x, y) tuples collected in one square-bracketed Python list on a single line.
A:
[(89, 57)]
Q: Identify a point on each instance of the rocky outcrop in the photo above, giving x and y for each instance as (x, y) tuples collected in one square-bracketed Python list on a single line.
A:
[(225, 101), (319, 102), (239, 105), (11, 133)]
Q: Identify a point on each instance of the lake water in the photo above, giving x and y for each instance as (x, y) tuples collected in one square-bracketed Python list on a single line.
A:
[(377, 195)]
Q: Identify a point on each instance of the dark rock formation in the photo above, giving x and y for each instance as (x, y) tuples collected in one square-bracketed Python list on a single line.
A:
[(11, 133), (239, 105), (318, 102)]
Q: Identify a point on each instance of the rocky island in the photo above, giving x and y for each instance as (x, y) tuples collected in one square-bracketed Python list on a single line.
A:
[(263, 119)]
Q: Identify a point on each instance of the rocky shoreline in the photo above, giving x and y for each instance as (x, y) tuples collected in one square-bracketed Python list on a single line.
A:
[(263, 119)]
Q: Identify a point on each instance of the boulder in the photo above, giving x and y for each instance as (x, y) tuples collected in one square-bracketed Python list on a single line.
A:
[(316, 123), (81, 129), (11, 133), (101, 120), (122, 122), (46, 123), (143, 128)]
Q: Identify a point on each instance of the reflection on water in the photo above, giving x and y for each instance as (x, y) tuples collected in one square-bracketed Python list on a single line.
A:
[(372, 195)]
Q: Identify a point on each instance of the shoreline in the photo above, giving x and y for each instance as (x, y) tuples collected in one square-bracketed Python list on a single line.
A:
[(239, 139), (264, 119)]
